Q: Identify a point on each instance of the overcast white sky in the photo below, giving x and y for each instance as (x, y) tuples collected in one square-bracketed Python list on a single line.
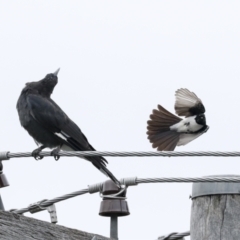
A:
[(118, 60)]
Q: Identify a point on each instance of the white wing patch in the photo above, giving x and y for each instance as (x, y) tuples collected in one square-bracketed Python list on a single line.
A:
[(61, 136), (65, 135)]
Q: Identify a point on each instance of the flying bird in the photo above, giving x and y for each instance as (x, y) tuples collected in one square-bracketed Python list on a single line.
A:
[(50, 126), (166, 130)]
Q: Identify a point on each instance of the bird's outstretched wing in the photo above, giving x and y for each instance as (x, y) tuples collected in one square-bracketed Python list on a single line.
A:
[(185, 138), (187, 103), (47, 113)]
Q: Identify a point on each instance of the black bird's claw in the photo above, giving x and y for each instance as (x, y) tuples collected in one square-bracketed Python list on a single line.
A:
[(54, 153), (36, 155)]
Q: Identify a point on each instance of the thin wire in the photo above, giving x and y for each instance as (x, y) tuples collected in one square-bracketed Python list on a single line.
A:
[(124, 154), (52, 201)]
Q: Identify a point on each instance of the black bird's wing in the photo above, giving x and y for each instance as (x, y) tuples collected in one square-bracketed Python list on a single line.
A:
[(47, 113), (187, 103), (185, 138)]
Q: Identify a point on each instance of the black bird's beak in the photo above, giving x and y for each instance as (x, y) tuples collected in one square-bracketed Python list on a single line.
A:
[(56, 72)]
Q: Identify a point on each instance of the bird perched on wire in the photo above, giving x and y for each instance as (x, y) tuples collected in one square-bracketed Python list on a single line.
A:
[(49, 126), (166, 130)]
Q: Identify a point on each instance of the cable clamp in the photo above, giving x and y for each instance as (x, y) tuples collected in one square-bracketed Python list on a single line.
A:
[(4, 156), (36, 207), (121, 195), (13, 211), (131, 181), (95, 188), (167, 237)]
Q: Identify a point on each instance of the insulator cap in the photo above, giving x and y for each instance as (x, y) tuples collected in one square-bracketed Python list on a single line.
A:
[(109, 187), (114, 207)]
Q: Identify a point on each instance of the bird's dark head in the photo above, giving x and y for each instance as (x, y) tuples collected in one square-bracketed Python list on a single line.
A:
[(45, 86), (200, 119)]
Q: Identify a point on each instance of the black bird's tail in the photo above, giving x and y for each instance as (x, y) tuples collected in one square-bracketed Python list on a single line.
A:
[(100, 164), (159, 133), (98, 161)]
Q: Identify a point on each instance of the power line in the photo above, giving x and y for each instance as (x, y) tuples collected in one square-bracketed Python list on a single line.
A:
[(8, 155), (41, 205)]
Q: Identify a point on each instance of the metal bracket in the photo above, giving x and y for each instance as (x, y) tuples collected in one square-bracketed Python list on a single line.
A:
[(214, 188), (53, 213), (36, 207)]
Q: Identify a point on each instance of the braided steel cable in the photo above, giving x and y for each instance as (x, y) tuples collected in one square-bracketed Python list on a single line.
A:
[(175, 236), (8, 155), (187, 180)]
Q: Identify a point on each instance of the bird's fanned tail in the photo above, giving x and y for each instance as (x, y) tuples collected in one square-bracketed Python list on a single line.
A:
[(159, 133)]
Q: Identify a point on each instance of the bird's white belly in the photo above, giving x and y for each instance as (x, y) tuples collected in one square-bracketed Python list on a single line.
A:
[(187, 125)]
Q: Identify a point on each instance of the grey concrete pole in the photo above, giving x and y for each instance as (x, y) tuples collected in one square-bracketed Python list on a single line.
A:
[(215, 212), (114, 227)]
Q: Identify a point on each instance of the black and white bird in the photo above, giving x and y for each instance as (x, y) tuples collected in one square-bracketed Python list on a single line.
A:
[(166, 130), (49, 126)]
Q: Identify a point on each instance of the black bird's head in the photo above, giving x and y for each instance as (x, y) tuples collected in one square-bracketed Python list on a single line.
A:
[(45, 86), (200, 119)]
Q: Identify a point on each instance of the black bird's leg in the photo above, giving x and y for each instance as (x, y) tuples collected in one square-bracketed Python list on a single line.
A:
[(55, 152), (36, 152)]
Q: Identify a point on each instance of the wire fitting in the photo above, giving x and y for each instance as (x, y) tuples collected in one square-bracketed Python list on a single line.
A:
[(121, 195), (166, 237), (36, 207), (174, 236), (94, 188), (131, 181), (13, 211), (4, 156)]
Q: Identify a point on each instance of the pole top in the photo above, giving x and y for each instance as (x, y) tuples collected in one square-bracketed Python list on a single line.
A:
[(215, 188)]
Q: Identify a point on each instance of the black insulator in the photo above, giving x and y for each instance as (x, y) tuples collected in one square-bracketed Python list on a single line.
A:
[(3, 181), (113, 206)]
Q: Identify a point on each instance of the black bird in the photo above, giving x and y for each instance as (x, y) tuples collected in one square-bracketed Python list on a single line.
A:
[(166, 131), (49, 126)]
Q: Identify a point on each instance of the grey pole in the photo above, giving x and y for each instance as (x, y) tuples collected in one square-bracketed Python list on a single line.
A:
[(215, 212), (1, 204), (114, 227)]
